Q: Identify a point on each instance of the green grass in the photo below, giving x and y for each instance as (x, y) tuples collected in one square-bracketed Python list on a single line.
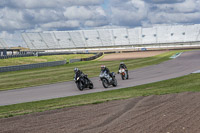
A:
[(182, 84), (40, 59), (41, 76)]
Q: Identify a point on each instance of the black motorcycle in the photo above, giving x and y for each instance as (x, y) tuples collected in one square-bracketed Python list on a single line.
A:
[(83, 82), (107, 79)]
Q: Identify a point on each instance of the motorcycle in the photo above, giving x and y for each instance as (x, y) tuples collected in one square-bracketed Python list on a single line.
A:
[(123, 73), (83, 82), (107, 79)]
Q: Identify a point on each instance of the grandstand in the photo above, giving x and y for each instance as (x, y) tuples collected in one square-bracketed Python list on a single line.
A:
[(120, 37)]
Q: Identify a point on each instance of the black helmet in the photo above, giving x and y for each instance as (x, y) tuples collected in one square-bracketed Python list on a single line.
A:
[(75, 69)]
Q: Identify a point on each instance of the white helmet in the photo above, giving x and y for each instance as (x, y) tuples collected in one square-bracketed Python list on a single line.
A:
[(75, 69)]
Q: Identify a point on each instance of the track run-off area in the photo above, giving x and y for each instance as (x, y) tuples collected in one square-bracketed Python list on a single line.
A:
[(185, 64)]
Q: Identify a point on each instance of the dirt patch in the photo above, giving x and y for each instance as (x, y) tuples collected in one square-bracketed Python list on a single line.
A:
[(131, 55), (173, 113)]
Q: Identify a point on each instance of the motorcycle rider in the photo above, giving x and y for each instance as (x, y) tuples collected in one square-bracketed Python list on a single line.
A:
[(123, 66), (105, 69), (79, 73)]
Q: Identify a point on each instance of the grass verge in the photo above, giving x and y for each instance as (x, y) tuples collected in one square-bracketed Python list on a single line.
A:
[(40, 59), (49, 75), (182, 84)]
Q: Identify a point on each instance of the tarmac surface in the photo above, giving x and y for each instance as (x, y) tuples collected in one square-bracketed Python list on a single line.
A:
[(185, 64)]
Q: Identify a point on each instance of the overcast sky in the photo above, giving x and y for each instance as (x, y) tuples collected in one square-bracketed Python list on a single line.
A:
[(18, 16)]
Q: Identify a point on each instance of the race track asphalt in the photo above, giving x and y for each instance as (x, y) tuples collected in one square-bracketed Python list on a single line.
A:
[(185, 64)]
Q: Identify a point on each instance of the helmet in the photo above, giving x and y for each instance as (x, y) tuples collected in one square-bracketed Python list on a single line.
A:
[(103, 67), (121, 63), (75, 69)]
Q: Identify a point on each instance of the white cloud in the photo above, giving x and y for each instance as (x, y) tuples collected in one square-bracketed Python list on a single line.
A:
[(184, 7), (164, 1), (88, 16), (12, 20), (95, 23), (33, 4), (187, 11), (147, 12), (81, 13), (61, 24), (129, 13)]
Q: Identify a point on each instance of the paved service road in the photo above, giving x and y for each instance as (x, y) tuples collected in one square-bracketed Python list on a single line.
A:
[(185, 64)]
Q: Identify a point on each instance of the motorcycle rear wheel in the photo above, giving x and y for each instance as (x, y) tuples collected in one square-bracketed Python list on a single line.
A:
[(114, 82), (123, 76), (127, 77), (91, 86)]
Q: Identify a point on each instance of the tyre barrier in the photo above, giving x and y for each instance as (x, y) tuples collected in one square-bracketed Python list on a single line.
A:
[(92, 57)]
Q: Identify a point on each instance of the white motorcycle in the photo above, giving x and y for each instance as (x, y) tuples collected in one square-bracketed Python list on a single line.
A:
[(123, 73), (108, 80)]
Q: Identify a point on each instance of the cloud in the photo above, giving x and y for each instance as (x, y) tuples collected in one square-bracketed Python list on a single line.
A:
[(129, 12), (35, 4), (88, 16), (80, 13), (71, 24), (133, 13), (187, 11), (12, 20), (164, 1)]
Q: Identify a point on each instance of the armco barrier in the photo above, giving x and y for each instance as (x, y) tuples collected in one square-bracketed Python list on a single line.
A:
[(31, 66), (74, 60)]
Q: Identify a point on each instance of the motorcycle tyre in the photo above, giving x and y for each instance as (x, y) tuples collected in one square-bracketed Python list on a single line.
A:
[(123, 77), (80, 86), (105, 83), (91, 85), (114, 82), (127, 76)]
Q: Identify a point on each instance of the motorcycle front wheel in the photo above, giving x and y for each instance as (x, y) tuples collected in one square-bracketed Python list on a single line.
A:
[(105, 83), (80, 86)]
